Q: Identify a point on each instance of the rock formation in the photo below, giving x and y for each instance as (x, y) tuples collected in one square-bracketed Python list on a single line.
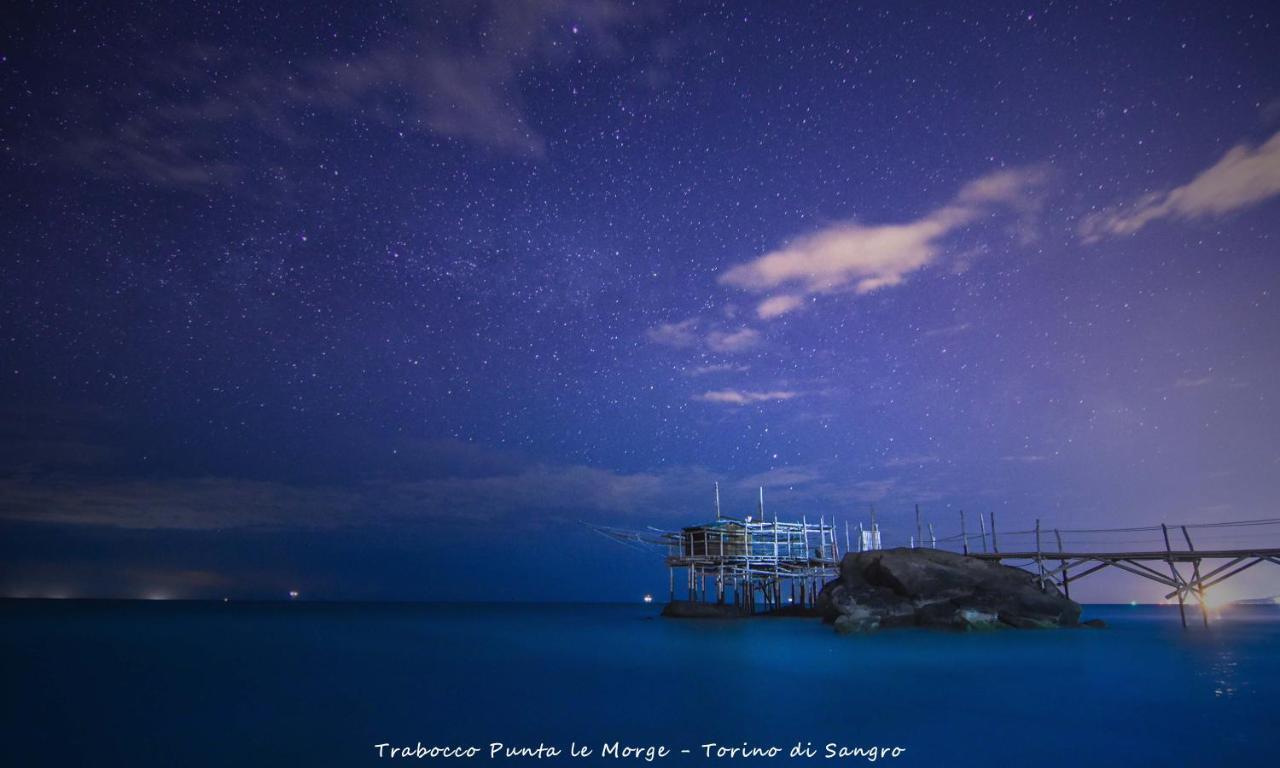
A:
[(933, 588)]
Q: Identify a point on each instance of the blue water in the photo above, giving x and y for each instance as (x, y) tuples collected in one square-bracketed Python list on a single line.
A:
[(196, 684)]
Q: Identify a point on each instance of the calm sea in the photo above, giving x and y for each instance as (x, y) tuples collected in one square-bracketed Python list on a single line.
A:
[(201, 684)]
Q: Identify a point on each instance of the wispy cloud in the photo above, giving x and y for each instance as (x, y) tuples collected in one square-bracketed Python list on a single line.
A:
[(684, 334), (910, 460), (204, 503), (713, 368), (1189, 382), (779, 477), (468, 496), (949, 330), (733, 341), (678, 334), (861, 258), (744, 397), (1243, 177), (457, 77), (873, 490)]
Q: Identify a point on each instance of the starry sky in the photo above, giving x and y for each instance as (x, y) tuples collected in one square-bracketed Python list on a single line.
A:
[(383, 300)]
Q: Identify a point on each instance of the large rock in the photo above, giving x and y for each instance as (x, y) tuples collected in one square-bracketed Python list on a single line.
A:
[(933, 588)]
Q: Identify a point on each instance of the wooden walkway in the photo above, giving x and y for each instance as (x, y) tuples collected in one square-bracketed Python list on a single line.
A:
[(1208, 567), (1166, 554)]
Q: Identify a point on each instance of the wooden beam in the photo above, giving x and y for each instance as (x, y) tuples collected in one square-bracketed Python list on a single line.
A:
[(1066, 576), (1182, 608)]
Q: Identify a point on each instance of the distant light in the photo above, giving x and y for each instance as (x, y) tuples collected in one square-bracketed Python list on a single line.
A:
[(293, 594), (1133, 602), (226, 599), (648, 598)]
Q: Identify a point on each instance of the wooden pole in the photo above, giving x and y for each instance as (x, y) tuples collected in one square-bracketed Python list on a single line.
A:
[(994, 546), (933, 539), (919, 533), (1066, 577), (1195, 574), (983, 526), (1177, 577), (964, 537), (720, 577), (777, 581), (717, 501), (1039, 558)]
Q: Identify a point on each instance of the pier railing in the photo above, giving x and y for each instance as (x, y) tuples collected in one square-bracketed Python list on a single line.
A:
[(1186, 558)]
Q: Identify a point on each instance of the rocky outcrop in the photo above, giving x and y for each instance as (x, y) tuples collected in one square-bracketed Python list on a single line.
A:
[(933, 588)]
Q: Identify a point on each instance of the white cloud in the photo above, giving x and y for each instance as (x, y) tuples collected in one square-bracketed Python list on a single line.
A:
[(687, 333), (949, 330), (1187, 382), (1244, 176), (681, 334), (910, 460), (865, 258), (733, 341), (704, 370), (776, 306), (788, 477), (742, 397)]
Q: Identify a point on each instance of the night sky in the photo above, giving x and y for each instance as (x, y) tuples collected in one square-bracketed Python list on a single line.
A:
[(382, 300)]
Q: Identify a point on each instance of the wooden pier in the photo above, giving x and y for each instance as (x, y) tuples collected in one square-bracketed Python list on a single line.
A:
[(746, 562), (1189, 572), (754, 560)]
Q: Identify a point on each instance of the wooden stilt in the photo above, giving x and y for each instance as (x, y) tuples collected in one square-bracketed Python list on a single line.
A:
[(1177, 577), (1066, 575), (775, 558), (1195, 574), (1039, 557)]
